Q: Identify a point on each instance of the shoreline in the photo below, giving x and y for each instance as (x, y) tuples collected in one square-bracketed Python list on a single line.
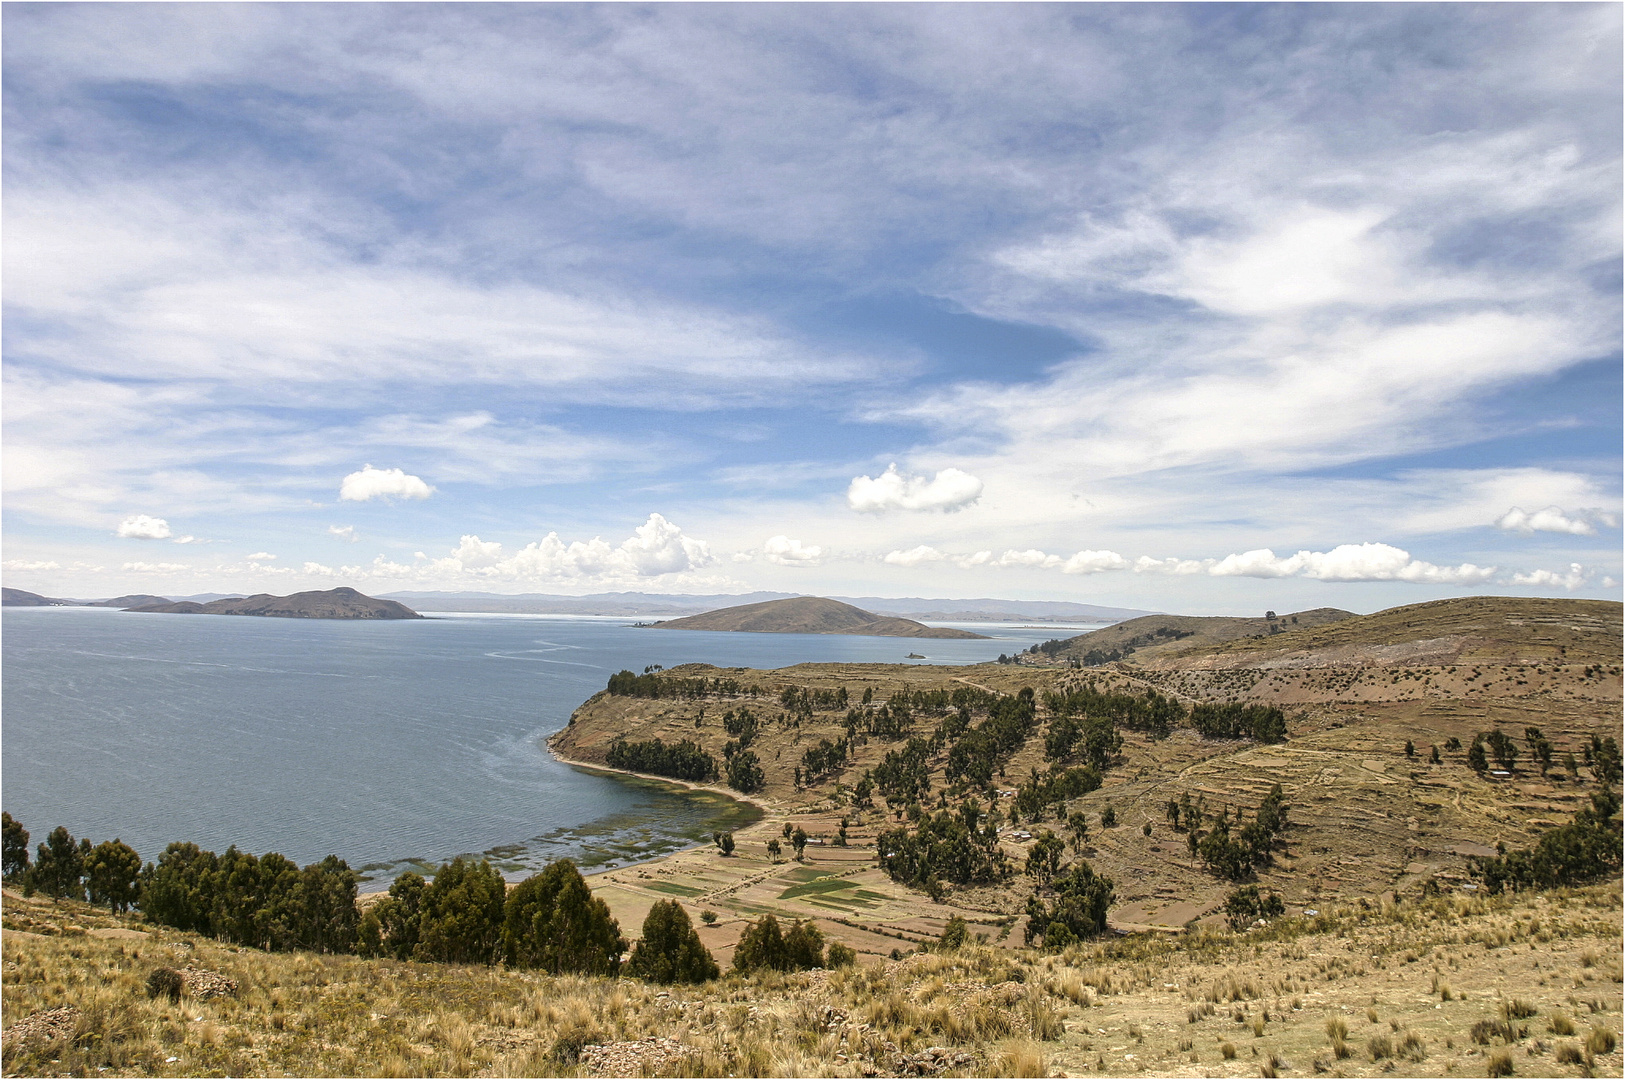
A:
[(687, 785)]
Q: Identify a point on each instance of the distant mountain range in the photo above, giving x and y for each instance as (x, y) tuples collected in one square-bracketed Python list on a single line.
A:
[(810, 615), (677, 604)]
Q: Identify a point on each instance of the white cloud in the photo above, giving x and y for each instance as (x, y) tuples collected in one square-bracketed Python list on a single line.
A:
[(155, 568), (1145, 564), (371, 483), (1094, 562), (655, 549), (787, 552), (316, 569), (143, 527), (1031, 557), (26, 564), (187, 539), (913, 556), (476, 554), (949, 489), (1349, 562), (260, 556), (1551, 519), (344, 532), (1575, 578)]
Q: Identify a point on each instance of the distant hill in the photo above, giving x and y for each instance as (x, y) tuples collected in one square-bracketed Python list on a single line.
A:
[(810, 615), (1155, 635), (662, 605), (133, 600), (19, 598), (340, 603), (987, 609), (1466, 630)]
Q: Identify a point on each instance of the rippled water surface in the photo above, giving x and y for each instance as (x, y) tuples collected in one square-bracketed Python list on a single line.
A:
[(386, 743)]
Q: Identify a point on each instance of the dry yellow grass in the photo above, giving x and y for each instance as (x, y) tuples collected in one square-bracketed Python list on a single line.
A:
[(1292, 998)]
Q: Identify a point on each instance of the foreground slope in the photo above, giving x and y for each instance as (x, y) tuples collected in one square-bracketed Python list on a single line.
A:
[(1409, 985), (809, 615), (340, 603)]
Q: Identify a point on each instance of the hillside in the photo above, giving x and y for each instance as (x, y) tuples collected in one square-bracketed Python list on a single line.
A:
[(809, 615), (1158, 635), (1367, 816), (133, 600), (19, 598), (340, 603), (1417, 978)]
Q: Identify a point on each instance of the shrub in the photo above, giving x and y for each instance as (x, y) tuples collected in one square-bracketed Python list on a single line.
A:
[(840, 956), (954, 934), (165, 982), (1560, 1024), (1569, 1054), (553, 922), (1379, 1047), (1518, 1009), (708, 917), (671, 950), (1079, 911), (1600, 1041), (1500, 1064), (764, 945), (1228, 1050)]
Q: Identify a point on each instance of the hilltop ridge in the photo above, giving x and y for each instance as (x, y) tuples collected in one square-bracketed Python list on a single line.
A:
[(340, 603), (809, 615)]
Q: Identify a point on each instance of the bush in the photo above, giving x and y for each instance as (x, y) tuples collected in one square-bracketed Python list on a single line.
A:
[(1500, 1064), (840, 956), (954, 934), (14, 850), (1079, 911), (553, 922), (1245, 905), (1586, 849), (1600, 1041), (461, 918), (165, 982), (764, 945), (671, 950), (684, 760)]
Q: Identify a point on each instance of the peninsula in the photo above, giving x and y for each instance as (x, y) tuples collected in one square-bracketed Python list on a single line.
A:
[(340, 603), (810, 615)]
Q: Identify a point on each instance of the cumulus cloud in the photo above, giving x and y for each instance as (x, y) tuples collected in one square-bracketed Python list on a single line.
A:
[(344, 532), (371, 483), (788, 552), (655, 548), (1145, 564), (155, 568), (1349, 562), (1094, 562), (143, 527), (1030, 557), (949, 489), (914, 556), (1571, 580), (261, 556), (1551, 519)]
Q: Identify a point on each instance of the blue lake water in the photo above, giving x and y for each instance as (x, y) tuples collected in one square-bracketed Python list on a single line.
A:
[(390, 744)]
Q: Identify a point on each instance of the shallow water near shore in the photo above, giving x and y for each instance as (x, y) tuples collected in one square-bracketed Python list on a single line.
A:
[(394, 745)]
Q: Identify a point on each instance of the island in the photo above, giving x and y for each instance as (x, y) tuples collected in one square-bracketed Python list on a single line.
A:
[(809, 615), (340, 603)]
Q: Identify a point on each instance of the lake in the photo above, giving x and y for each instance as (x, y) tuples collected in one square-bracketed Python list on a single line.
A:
[(394, 745)]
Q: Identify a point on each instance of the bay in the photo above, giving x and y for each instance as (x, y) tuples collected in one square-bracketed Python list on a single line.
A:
[(394, 745)]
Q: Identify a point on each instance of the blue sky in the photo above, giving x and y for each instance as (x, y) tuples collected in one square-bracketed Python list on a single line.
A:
[(1202, 308)]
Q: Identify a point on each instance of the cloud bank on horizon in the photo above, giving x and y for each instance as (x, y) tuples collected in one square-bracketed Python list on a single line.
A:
[(1087, 302)]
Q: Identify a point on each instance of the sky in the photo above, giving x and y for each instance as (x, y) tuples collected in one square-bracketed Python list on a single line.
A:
[(1208, 308)]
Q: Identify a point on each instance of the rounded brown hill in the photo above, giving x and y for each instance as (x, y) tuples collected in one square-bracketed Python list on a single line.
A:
[(809, 615), (340, 603)]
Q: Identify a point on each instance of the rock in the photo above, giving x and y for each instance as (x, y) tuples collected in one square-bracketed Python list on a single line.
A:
[(207, 984), (37, 1029), (652, 1055)]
